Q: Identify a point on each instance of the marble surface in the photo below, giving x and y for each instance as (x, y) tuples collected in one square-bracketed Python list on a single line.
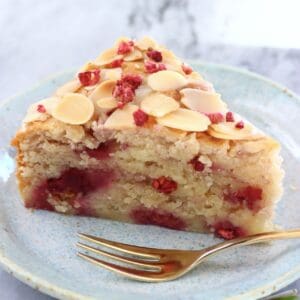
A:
[(39, 38)]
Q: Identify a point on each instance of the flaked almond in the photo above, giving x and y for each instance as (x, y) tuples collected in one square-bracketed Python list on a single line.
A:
[(134, 55), (107, 57), (158, 105), (185, 119), (111, 74), (141, 92), (88, 66), (166, 81), (74, 109), (145, 43), (122, 118), (104, 90), (202, 101), (107, 103), (228, 131), (69, 87)]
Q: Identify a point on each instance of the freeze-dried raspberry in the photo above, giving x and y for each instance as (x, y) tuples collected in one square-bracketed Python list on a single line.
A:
[(227, 231), (229, 117), (240, 125), (216, 118), (125, 47), (164, 185), (197, 165), (115, 63), (140, 117), (154, 55), (41, 108), (186, 69), (89, 77), (133, 80), (152, 67)]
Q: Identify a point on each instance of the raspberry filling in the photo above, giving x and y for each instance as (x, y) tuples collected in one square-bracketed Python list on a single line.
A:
[(154, 55), (249, 195), (215, 118), (152, 67), (140, 117), (125, 88), (103, 151), (125, 47), (197, 165), (227, 231), (41, 108), (89, 77), (38, 199), (164, 185), (148, 216)]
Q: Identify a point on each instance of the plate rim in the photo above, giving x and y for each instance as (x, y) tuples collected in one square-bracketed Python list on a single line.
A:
[(54, 290)]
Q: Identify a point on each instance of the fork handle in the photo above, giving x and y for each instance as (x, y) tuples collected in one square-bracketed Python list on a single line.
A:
[(251, 239)]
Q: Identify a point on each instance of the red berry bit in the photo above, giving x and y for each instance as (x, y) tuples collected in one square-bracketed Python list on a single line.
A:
[(117, 63), (103, 151), (125, 47), (227, 231), (125, 88), (215, 118), (41, 108), (197, 165), (240, 125), (249, 195), (89, 77), (229, 117), (152, 67), (186, 69), (154, 55), (140, 117), (164, 185), (148, 216)]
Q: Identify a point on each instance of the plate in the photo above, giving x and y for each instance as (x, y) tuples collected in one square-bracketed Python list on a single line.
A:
[(38, 247)]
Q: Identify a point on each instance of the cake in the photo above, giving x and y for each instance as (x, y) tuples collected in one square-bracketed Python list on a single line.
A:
[(138, 136)]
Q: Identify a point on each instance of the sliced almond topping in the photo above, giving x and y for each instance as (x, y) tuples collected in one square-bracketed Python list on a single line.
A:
[(111, 74), (121, 39), (134, 55), (145, 43), (122, 118), (158, 105), (228, 131), (166, 81), (88, 66), (69, 87), (185, 119), (141, 92), (202, 101), (104, 90), (107, 103), (74, 109), (107, 57)]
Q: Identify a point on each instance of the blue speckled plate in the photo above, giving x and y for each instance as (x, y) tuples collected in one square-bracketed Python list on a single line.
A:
[(38, 247)]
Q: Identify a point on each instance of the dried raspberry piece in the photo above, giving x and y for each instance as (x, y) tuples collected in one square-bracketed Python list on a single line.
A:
[(229, 117), (41, 108), (215, 118), (89, 77), (186, 69), (133, 80), (164, 185), (152, 67), (198, 165), (154, 55), (140, 117), (249, 194), (125, 47), (240, 125), (148, 216), (115, 63), (228, 231)]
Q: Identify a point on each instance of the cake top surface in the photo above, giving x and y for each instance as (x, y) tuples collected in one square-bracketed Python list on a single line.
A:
[(139, 84)]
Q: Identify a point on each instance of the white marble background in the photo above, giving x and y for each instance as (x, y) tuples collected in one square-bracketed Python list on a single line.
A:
[(40, 37)]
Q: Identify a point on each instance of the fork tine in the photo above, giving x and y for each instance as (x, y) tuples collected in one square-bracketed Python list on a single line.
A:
[(142, 275), (150, 253), (140, 263)]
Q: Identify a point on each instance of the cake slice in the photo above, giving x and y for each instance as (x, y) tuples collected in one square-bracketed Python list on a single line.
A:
[(138, 136)]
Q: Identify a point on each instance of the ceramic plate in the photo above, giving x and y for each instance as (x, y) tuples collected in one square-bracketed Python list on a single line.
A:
[(38, 247)]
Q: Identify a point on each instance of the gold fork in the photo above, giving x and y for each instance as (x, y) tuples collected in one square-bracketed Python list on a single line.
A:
[(156, 265)]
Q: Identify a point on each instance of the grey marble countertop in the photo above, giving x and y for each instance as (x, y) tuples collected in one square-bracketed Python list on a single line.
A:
[(39, 38)]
